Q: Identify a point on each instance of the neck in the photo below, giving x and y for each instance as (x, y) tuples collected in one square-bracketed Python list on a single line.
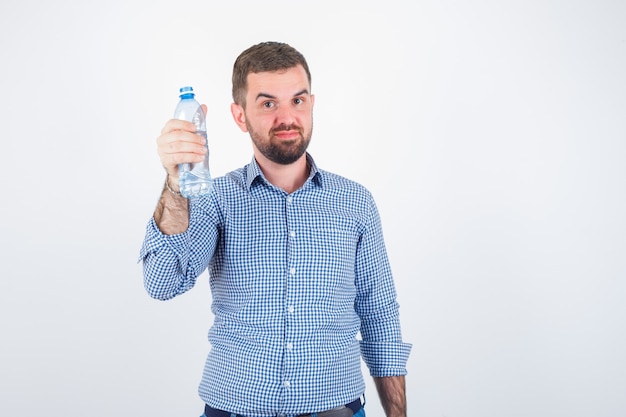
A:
[(287, 177)]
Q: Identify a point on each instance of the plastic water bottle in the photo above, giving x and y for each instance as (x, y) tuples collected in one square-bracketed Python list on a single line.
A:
[(194, 178)]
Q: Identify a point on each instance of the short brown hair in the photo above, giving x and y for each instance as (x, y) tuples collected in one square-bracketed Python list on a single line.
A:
[(263, 57)]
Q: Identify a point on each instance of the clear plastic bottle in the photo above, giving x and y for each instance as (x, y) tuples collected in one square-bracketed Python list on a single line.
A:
[(195, 178)]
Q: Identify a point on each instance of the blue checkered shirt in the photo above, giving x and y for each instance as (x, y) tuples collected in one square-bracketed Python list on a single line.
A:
[(295, 279)]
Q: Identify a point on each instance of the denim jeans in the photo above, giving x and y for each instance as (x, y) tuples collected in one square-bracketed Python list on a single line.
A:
[(360, 413)]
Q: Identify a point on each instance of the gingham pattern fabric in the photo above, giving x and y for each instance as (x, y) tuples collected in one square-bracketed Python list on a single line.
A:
[(295, 279)]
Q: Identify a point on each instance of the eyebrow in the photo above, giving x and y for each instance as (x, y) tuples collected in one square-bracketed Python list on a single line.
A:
[(266, 95)]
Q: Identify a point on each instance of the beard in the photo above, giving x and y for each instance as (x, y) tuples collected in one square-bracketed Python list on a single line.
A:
[(281, 151)]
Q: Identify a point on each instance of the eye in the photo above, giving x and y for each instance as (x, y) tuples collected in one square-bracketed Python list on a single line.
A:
[(298, 100), (268, 105)]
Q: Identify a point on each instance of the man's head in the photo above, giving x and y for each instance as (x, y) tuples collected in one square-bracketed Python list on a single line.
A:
[(264, 57), (273, 101)]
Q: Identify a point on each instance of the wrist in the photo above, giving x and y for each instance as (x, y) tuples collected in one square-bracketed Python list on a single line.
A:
[(172, 185)]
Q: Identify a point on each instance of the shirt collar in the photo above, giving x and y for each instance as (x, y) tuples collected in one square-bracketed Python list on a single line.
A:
[(254, 172)]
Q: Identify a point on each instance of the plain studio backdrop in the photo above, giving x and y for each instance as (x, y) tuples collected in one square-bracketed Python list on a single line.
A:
[(491, 133)]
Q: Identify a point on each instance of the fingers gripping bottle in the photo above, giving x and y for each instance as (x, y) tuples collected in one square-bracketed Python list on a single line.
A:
[(195, 178)]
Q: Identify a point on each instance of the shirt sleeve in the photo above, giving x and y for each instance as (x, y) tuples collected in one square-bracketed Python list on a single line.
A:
[(172, 263), (382, 347)]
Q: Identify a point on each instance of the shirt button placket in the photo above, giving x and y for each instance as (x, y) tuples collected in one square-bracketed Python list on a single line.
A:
[(290, 308)]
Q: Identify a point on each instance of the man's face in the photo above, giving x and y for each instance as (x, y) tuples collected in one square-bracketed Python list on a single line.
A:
[(279, 114)]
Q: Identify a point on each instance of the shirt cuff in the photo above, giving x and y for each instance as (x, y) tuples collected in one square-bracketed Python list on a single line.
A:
[(386, 358), (155, 239)]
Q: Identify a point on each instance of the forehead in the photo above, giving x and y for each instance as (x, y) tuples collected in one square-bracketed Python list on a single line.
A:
[(285, 82)]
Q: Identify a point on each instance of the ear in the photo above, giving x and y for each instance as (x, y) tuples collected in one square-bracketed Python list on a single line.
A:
[(239, 116)]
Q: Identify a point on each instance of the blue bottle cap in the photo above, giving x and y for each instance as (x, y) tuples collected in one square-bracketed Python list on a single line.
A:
[(186, 92)]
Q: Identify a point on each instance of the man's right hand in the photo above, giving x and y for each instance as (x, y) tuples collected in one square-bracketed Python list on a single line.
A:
[(179, 144)]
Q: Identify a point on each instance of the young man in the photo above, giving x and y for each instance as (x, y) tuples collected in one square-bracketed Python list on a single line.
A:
[(296, 257)]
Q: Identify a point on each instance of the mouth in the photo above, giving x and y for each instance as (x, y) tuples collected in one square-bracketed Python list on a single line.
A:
[(290, 135), (286, 133)]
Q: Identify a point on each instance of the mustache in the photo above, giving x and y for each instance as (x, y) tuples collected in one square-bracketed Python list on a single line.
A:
[(285, 128)]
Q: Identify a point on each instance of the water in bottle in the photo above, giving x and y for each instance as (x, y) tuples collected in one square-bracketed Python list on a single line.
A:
[(195, 178)]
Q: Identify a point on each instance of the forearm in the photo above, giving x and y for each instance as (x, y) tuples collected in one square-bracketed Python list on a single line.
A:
[(172, 211), (165, 251), (391, 390)]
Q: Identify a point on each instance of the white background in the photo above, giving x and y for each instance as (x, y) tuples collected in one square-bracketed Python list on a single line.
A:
[(491, 133)]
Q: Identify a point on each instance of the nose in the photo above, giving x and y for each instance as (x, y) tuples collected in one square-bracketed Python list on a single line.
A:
[(284, 116)]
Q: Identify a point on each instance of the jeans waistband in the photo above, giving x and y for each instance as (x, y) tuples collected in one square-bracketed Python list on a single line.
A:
[(355, 406)]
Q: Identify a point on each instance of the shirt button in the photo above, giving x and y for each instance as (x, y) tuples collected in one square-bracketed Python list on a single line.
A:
[(289, 199), (292, 234), (291, 309), (286, 384), (292, 271), (289, 346)]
